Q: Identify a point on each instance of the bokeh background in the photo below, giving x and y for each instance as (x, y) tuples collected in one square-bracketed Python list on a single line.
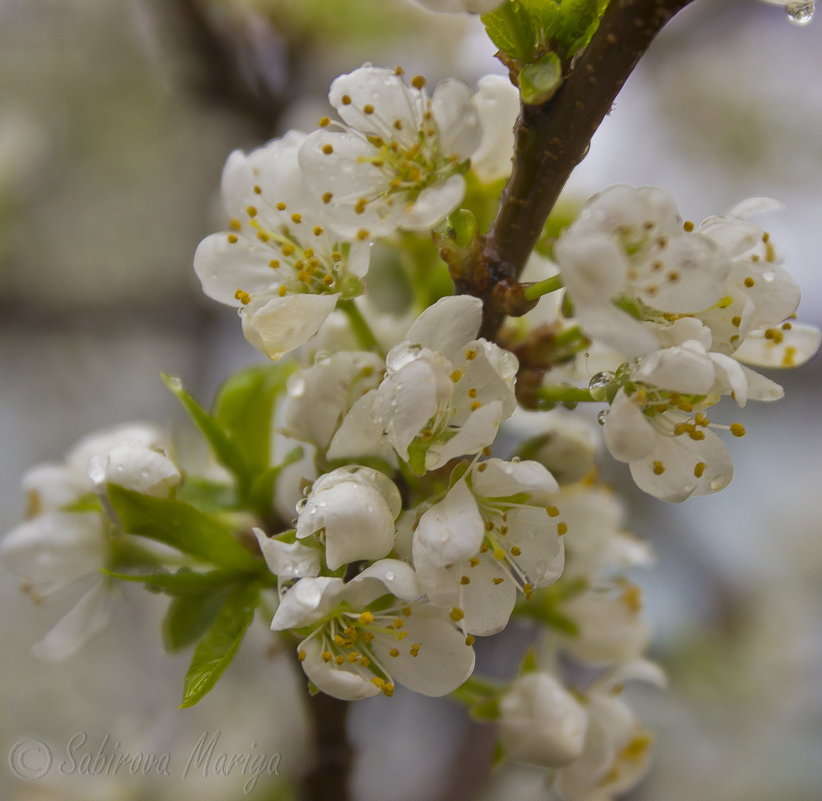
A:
[(115, 119)]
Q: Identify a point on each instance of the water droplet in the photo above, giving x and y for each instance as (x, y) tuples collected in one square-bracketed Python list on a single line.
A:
[(296, 386), (97, 469), (600, 383), (769, 276), (301, 505), (800, 13), (602, 416), (718, 483), (389, 575), (175, 382)]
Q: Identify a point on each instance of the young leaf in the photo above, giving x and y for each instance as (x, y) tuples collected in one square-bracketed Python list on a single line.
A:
[(511, 27), (183, 582), (244, 408), (190, 615), (539, 80), (224, 448), (180, 525), (210, 496), (217, 648)]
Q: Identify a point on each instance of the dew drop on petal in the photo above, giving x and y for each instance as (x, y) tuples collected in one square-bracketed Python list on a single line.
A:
[(602, 416), (389, 575), (301, 505), (97, 469), (599, 384), (296, 387), (800, 13)]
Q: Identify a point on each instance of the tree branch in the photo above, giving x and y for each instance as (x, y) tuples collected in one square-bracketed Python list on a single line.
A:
[(328, 777), (551, 139)]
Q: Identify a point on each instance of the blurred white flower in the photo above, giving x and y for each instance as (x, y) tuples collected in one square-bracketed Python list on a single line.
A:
[(497, 103), (617, 747), (541, 722), (57, 546)]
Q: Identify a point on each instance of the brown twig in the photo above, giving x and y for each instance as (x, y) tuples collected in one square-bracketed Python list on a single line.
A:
[(328, 777), (551, 139), (240, 62)]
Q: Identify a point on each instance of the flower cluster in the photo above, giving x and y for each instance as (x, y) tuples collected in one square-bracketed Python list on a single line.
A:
[(689, 306), (304, 209), (547, 716), (444, 568)]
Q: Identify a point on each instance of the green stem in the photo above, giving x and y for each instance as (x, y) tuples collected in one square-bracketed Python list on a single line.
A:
[(474, 689), (570, 336), (359, 325), (541, 288), (565, 394)]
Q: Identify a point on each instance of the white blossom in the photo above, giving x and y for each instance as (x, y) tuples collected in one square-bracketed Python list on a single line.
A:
[(444, 393), (541, 722), (671, 456), (397, 158), (488, 539), (279, 264), (320, 396), (353, 510), (368, 634)]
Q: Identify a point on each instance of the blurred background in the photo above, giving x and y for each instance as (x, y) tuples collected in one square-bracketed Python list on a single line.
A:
[(115, 119)]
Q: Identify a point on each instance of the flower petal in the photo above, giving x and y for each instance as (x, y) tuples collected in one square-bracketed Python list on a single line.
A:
[(89, 615), (276, 325)]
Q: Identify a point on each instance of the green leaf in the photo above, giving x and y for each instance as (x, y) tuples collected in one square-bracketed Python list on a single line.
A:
[(527, 30), (190, 615), (185, 581), (208, 495), (512, 28), (244, 408), (90, 502), (217, 648), (180, 525), (577, 23), (539, 80), (224, 448)]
